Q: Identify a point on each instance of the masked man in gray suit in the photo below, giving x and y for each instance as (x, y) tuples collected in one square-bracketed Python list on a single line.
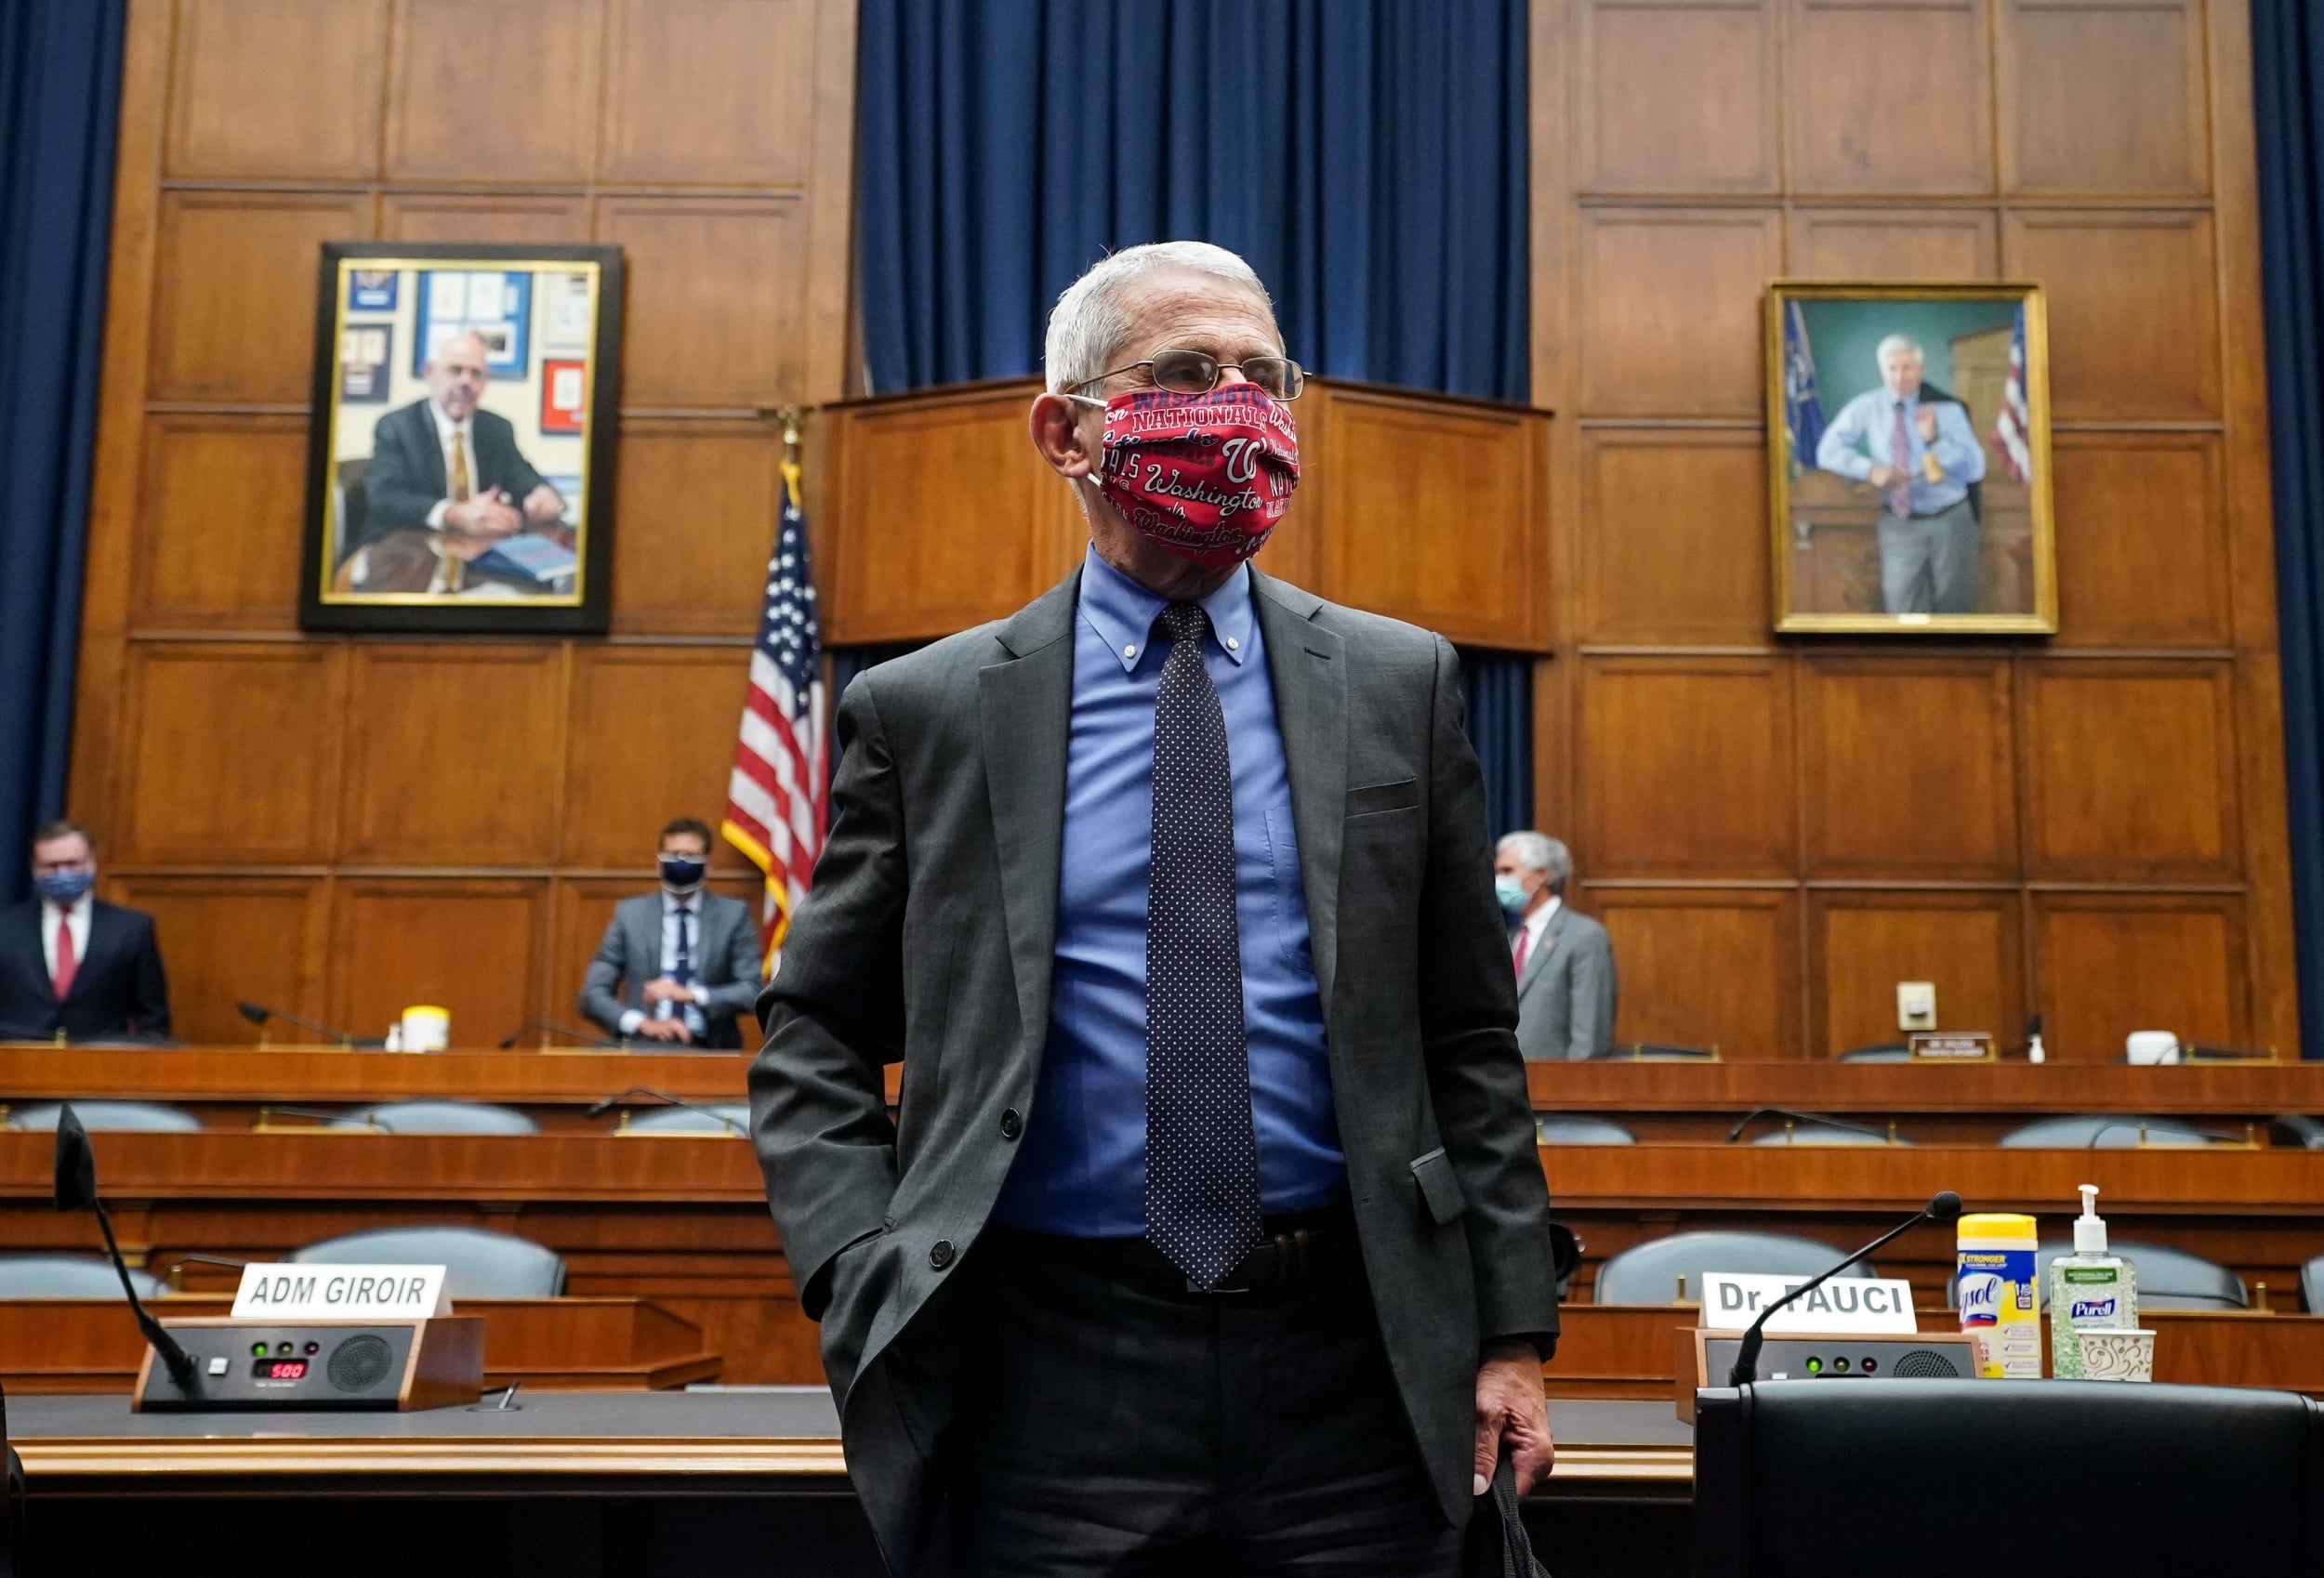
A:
[(1564, 961), (683, 962), (1211, 1235)]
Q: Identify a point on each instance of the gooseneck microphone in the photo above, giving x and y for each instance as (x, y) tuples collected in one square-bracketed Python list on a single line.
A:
[(76, 1191), (598, 1110), (548, 1027), (1824, 1119), (1943, 1206), (258, 1013)]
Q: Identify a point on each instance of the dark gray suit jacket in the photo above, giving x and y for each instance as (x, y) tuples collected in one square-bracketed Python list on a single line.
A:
[(405, 478), (928, 935), (726, 962), (1565, 998)]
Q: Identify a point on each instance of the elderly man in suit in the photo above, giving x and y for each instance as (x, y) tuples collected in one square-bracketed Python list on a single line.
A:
[(1211, 1236), (1564, 961), (71, 963), (1914, 442), (680, 964)]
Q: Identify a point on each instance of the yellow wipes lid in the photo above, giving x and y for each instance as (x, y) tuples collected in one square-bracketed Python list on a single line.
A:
[(1997, 1224)]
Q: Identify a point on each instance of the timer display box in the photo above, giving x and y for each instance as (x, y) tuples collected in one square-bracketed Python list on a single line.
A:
[(298, 1365)]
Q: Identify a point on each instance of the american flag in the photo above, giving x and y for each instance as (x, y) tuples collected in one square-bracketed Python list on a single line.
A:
[(2010, 427), (775, 796), (1803, 412)]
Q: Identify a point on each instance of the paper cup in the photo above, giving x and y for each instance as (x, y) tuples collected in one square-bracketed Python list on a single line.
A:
[(2117, 1356)]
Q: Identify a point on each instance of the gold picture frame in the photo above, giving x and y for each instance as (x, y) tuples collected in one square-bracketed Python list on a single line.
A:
[(1863, 373)]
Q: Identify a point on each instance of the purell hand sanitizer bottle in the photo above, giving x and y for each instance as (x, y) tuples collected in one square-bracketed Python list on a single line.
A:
[(2090, 1291)]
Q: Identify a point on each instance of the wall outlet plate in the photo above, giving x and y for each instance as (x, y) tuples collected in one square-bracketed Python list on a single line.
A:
[(1916, 1005)]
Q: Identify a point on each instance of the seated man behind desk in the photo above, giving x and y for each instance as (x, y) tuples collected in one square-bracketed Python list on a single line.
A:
[(1564, 961), (73, 964), (685, 962)]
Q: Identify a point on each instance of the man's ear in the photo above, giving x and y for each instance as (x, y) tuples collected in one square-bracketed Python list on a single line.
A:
[(1055, 422)]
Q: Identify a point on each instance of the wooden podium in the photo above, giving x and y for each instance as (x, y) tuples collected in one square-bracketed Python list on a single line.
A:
[(935, 514)]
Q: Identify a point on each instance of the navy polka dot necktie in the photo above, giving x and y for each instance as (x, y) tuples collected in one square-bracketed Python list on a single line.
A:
[(1202, 1156)]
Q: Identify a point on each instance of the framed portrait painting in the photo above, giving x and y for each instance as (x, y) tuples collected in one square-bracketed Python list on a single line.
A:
[(460, 447), (1909, 458)]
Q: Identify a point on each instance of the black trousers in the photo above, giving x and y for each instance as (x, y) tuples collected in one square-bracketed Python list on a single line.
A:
[(1117, 1425)]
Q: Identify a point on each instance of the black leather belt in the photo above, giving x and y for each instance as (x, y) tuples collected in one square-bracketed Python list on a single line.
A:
[(1300, 1247)]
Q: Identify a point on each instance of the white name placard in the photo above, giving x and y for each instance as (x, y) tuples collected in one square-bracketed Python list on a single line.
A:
[(340, 1292), (1843, 1307)]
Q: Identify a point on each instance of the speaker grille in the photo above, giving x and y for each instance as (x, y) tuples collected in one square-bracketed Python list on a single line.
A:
[(361, 1363), (1923, 1364)]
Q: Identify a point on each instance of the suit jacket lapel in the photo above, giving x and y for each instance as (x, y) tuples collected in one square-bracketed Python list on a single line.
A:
[(1311, 684), (1538, 958), (1025, 718), (100, 936), (25, 941)]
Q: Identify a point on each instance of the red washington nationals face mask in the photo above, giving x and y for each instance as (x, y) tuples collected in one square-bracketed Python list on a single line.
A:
[(1205, 476)]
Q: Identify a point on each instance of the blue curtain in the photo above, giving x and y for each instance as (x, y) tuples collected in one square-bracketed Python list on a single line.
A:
[(2288, 59), (1368, 158), (60, 97)]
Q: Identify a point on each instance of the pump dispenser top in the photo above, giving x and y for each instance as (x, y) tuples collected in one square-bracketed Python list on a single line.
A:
[(2090, 1229)]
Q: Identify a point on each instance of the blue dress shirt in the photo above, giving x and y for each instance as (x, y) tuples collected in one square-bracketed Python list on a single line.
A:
[(1081, 1166), (1861, 437)]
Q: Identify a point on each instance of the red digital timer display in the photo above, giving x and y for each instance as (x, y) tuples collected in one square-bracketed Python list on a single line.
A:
[(278, 1369)]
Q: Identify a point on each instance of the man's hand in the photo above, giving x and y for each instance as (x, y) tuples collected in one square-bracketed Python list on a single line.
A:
[(666, 1030), (661, 989), (544, 505), (1884, 477), (1511, 1409), (486, 515), (1925, 419)]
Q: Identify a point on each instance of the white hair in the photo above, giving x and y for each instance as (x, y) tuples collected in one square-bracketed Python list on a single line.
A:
[(1091, 320), (1896, 344), (1538, 851)]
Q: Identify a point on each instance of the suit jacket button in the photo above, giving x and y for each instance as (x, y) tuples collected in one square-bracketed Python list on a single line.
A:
[(940, 1254), (1011, 1124)]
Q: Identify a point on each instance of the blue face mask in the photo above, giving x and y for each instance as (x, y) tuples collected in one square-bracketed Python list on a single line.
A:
[(64, 887), (683, 874), (1510, 891)]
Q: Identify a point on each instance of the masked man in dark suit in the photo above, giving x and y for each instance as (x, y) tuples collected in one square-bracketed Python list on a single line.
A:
[(1211, 1235), (70, 962), (444, 466), (680, 964)]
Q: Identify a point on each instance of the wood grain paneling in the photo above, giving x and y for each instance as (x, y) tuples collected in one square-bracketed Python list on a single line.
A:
[(230, 938), (1686, 767), (1675, 544), (218, 525), (653, 736), (1894, 244), (474, 946), (276, 89), (717, 299), (547, 218), (1908, 767), (2131, 771), (2104, 98), (2144, 558), (1968, 945), (1675, 97), (697, 502), (234, 303), (455, 754), (498, 90), (1701, 968), (1862, 119), (1670, 303), (231, 751), (709, 92), (2108, 963), (2133, 310)]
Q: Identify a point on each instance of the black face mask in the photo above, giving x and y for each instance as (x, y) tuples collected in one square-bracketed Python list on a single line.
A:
[(683, 874)]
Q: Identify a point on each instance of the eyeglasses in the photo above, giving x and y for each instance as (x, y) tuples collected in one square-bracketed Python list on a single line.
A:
[(1192, 371)]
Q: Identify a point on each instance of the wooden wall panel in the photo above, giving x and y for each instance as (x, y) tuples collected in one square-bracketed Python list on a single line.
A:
[(698, 502), (219, 521), (1908, 768), (1858, 129), (1967, 945), (1671, 299), (2107, 965), (550, 218), (691, 100), (1686, 767), (276, 89), (533, 62), (1894, 244), (475, 946), (1705, 968), (455, 754), (232, 750), (1676, 546), (653, 737), (1676, 97), (2105, 98), (2143, 558), (716, 309), (2131, 772), (2133, 310), (226, 939), (233, 309)]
